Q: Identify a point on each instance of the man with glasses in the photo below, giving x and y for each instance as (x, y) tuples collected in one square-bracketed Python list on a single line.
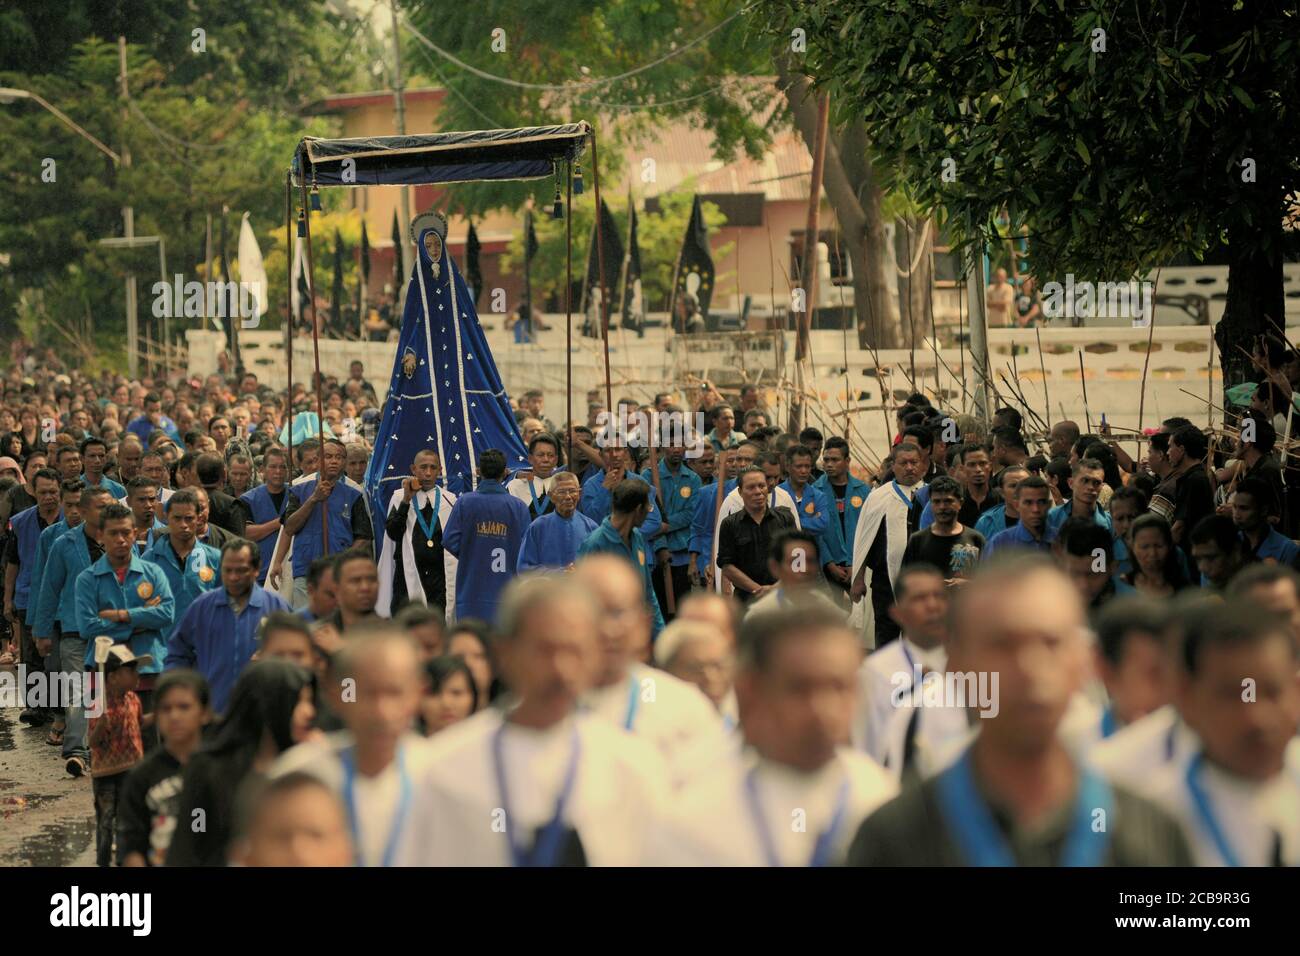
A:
[(552, 541)]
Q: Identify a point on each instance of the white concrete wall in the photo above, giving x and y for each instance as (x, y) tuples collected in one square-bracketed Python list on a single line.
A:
[(1183, 371)]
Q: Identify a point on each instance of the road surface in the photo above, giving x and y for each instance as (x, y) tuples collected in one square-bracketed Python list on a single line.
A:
[(47, 818)]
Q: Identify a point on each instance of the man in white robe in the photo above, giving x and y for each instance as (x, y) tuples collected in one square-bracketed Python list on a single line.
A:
[(535, 489), (544, 784), (1238, 794), (798, 796), (423, 498), (670, 714), (888, 519), (372, 765)]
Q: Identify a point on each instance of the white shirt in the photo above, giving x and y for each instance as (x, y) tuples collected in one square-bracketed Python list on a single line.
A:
[(618, 791), (1250, 815), (780, 599), (713, 823), (881, 675), (1129, 756), (671, 714), (519, 488), (377, 799)]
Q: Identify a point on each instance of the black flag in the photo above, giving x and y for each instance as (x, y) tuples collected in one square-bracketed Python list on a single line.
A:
[(612, 257), (694, 266), (473, 272), (336, 290), (633, 311), (398, 273), (365, 252)]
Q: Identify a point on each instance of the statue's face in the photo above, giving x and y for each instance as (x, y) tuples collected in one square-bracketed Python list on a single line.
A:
[(433, 246)]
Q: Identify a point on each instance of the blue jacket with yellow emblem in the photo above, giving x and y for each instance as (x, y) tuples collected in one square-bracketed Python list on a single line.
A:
[(606, 539), (201, 573), (678, 510), (144, 593), (839, 537)]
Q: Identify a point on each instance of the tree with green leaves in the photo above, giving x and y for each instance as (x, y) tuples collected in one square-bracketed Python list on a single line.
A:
[(213, 119), (1119, 135), (629, 67)]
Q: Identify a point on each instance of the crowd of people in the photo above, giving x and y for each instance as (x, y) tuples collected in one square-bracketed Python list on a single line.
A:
[(738, 646)]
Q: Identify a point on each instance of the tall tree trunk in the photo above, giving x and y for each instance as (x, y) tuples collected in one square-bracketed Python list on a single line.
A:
[(856, 198), (1255, 303)]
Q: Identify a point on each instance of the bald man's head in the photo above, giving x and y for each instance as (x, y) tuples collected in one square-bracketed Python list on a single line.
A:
[(715, 610), (1020, 625), (624, 619)]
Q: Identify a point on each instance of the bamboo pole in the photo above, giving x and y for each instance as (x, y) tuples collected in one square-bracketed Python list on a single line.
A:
[(315, 345)]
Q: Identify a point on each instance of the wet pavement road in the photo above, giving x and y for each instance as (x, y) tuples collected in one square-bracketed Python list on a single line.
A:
[(47, 818)]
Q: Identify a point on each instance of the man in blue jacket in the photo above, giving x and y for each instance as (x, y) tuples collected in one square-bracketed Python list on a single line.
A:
[(191, 567), (679, 486), (619, 534), (266, 503), (813, 508), (25, 530), (484, 532), (845, 495), (597, 491), (217, 636), (347, 519), (124, 597), (55, 619)]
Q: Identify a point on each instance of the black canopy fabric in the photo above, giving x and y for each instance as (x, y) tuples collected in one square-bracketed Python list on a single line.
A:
[(526, 153)]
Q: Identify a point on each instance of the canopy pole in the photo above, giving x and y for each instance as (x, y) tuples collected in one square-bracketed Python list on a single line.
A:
[(290, 251), (568, 307), (315, 346), (600, 267)]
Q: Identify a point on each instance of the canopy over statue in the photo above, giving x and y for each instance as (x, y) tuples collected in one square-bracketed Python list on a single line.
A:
[(445, 393)]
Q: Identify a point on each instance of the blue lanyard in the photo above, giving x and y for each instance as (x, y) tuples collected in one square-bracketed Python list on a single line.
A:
[(971, 823), (1201, 804), (633, 701), (538, 506), (902, 497), (1109, 723), (546, 850), (428, 528), (403, 806), (825, 840)]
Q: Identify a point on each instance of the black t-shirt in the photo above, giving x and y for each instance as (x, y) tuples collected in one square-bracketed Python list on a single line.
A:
[(841, 492), (955, 555), (970, 510)]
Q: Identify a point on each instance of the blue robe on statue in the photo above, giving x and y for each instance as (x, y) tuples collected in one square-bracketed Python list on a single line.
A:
[(445, 392)]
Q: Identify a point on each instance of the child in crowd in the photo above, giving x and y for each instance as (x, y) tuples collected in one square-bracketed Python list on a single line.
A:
[(150, 798), (116, 741)]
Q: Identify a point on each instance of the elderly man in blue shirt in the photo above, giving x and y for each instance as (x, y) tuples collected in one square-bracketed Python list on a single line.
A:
[(217, 636)]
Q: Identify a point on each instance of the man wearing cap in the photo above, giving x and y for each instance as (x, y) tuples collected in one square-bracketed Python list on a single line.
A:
[(124, 597)]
